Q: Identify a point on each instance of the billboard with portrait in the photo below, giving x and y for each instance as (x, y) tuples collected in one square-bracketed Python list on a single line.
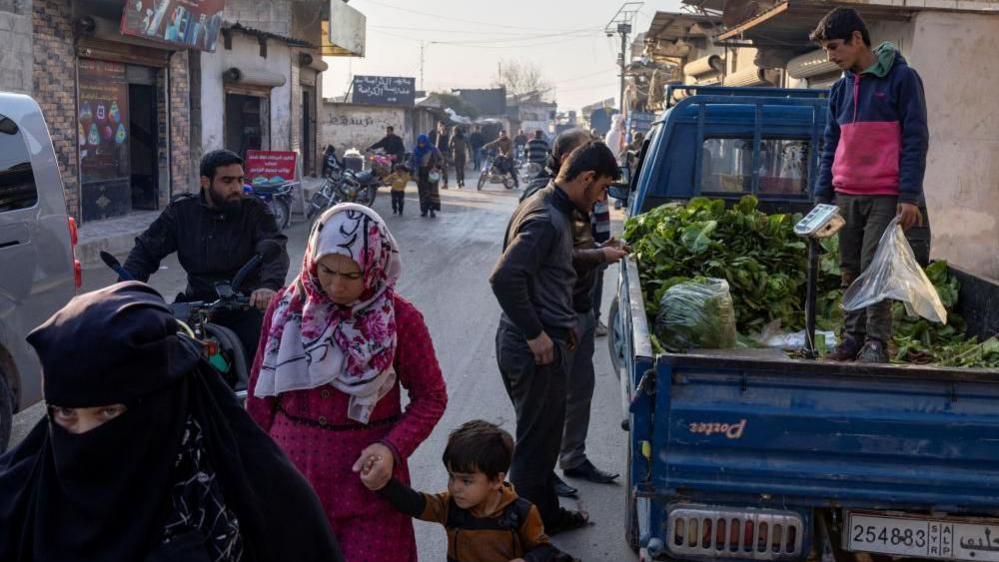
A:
[(193, 24)]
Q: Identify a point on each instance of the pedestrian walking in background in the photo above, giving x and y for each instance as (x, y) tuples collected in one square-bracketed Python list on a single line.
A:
[(533, 282), (442, 140), (616, 138), (145, 453), (427, 162), (477, 140), (340, 343), (493, 522), (459, 154), (537, 149), (872, 162)]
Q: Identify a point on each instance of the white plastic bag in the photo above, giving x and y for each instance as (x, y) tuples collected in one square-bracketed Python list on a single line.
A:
[(895, 274)]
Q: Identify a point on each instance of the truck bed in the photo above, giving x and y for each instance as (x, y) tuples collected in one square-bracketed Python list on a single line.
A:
[(753, 425)]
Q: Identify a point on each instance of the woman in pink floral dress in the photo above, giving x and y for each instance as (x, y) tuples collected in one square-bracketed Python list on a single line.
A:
[(335, 348)]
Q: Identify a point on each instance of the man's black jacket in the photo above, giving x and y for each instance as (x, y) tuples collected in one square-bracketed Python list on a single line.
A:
[(211, 245), (392, 144)]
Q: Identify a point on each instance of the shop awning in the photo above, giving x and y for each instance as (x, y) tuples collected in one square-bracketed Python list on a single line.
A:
[(788, 24)]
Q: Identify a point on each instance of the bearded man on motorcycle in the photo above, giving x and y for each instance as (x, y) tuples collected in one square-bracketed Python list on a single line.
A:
[(214, 234)]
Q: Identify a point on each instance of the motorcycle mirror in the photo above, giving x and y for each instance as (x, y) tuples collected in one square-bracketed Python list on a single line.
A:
[(267, 249)]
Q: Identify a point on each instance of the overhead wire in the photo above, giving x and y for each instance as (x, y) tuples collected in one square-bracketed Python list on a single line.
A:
[(451, 18)]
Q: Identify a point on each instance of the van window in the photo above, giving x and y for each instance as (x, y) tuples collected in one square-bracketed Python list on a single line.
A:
[(17, 182), (726, 166)]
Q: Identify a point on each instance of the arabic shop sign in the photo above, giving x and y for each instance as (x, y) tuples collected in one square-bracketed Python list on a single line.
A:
[(193, 24), (270, 167), (384, 90)]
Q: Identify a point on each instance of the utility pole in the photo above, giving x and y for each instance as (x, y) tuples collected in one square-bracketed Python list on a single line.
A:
[(423, 45), (622, 24)]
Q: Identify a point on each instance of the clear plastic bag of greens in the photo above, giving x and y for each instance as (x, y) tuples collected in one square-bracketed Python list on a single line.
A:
[(895, 274), (696, 314)]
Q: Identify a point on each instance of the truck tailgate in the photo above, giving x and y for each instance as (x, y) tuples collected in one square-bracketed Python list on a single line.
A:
[(827, 434)]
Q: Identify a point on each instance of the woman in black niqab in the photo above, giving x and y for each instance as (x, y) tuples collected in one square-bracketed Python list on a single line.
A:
[(182, 474)]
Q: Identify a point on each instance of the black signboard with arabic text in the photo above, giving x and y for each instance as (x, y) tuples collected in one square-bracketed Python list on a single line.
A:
[(384, 90)]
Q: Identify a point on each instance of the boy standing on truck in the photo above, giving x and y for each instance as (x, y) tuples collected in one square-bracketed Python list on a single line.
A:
[(873, 162)]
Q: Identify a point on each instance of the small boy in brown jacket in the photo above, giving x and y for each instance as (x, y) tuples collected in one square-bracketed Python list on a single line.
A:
[(486, 520)]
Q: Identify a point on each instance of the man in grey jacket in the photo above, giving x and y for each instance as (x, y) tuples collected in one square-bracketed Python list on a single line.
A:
[(533, 282)]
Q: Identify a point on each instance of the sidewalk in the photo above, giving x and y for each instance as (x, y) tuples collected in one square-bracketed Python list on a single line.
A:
[(117, 236)]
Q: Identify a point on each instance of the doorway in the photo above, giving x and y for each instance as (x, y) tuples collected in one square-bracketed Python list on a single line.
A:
[(144, 146), (244, 119), (308, 130)]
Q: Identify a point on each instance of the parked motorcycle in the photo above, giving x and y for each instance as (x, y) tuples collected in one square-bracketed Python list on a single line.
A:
[(497, 169), (221, 346), (341, 185), (277, 196)]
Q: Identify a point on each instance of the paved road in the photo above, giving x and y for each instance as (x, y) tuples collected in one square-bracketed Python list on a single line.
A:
[(446, 265)]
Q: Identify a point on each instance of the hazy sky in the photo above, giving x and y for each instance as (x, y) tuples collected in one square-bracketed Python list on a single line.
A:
[(464, 41)]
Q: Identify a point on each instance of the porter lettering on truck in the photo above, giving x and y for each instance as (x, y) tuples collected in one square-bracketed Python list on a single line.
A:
[(729, 430)]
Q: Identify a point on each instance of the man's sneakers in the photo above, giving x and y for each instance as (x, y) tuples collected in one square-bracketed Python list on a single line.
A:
[(601, 330), (563, 489), (873, 351), (589, 472)]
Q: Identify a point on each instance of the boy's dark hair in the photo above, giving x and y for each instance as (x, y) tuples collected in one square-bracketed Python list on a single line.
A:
[(594, 156), (390, 129), (479, 446), (840, 23), (216, 159), (539, 134)]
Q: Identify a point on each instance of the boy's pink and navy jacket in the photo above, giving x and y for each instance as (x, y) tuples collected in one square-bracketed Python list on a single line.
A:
[(876, 136)]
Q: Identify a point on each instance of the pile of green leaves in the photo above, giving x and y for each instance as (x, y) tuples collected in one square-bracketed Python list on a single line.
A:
[(759, 255), (765, 264), (917, 340)]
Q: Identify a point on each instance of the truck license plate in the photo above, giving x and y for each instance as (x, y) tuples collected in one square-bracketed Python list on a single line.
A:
[(942, 539)]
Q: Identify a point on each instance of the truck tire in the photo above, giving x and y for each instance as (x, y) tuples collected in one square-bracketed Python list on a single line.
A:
[(631, 531), (615, 341), (6, 411)]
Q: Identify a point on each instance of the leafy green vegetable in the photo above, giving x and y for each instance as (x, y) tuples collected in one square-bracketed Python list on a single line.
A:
[(697, 314)]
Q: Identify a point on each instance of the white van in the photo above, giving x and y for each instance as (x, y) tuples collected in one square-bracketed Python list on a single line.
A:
[(39, 272)]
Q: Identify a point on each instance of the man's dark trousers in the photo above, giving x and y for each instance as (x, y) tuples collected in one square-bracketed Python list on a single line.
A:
[(538, 393)]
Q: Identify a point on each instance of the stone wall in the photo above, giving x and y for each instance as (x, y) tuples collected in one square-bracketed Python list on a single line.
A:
[(54, 88), (16, 58), (182, 178), (273, 16)]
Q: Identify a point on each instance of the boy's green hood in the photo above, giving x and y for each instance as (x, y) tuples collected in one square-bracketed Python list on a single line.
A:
[(884, 59)]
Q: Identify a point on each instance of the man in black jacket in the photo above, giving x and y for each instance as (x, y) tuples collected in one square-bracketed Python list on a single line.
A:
[(533, 282), (214, 234), (477, 140), (392, 144), (441, 140)]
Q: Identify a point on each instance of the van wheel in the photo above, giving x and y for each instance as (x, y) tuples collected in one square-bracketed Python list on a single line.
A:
[(6, 411)]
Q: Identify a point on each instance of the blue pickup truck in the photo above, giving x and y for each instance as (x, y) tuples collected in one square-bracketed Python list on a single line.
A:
[(751, 455)]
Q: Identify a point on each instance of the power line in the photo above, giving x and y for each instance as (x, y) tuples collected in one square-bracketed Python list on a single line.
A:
[(478, 32), (462, 20)]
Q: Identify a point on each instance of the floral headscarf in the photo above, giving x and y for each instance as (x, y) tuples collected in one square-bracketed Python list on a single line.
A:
[(313, 341)]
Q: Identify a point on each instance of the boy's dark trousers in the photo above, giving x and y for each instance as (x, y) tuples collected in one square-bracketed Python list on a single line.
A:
[(398, 200), (867, 217), (538, 393)]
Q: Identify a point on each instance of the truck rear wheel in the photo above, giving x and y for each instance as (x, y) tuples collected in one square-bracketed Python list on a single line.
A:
[(6, 411), (615, 341)]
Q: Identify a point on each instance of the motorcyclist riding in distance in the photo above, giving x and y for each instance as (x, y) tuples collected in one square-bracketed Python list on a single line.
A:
[(214, 234)]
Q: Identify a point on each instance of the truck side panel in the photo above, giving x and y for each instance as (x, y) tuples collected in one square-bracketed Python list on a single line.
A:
[(825, 440)]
